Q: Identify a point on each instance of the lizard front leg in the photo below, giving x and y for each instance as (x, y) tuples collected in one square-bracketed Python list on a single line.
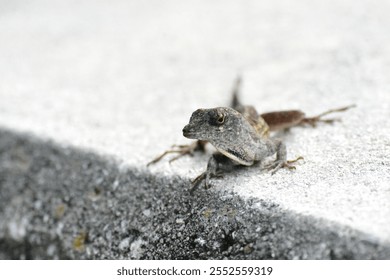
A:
[(216, 166), (281, 157), (181, 150)]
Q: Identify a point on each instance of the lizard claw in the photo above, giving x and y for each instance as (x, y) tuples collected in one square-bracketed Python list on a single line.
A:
[(288, 163), (294, 160)]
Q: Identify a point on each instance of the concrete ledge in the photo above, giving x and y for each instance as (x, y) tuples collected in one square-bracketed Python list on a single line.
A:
[(64, 203)]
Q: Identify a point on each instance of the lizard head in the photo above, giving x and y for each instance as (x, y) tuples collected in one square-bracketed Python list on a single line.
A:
[(214, 124), (227, 130)]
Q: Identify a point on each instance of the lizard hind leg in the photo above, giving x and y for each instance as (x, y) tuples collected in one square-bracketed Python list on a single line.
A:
[(319, 118)]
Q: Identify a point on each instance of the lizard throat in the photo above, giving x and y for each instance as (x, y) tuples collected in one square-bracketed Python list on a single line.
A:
[(234, 157)]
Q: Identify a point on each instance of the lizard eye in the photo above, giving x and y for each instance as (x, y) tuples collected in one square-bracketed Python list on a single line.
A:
[(216, 117), (221, 119)]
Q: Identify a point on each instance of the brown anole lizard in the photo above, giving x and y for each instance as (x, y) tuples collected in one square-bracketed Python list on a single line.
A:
[(241, 136)]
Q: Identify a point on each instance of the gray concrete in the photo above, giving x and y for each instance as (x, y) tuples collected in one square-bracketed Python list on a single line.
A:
[(112, 84)]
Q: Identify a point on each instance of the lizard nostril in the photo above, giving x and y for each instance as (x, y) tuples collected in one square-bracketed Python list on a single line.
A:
[(185, 129)]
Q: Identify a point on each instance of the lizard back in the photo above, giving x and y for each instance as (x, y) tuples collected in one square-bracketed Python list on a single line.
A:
[(255, 120)]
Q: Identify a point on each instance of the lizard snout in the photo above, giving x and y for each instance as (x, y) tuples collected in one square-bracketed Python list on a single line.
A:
[(188, 131)]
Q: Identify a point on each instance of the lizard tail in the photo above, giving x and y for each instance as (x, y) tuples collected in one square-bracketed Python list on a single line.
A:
[(236, 89)]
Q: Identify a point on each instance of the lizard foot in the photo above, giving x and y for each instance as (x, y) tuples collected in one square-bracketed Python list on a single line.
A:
[(293, 161), (205, 176), (181, 150), (319, 118), (197, 181), (275, 166), (288, 164)]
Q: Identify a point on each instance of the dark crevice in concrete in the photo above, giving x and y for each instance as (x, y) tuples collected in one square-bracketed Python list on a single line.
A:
[(61, 202)]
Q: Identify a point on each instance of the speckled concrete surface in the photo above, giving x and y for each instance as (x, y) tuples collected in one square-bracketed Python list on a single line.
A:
[(121, 79)]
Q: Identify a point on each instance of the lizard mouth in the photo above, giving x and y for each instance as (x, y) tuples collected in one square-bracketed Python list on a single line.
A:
[(187, 132)]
